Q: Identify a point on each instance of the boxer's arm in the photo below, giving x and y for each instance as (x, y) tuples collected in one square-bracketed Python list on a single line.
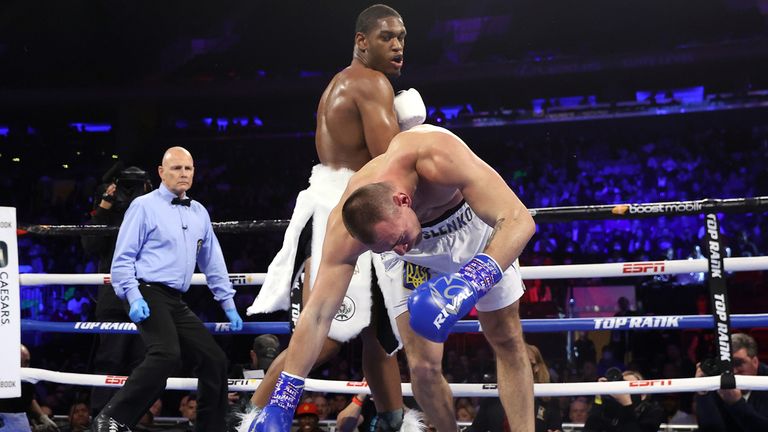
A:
[(450, 162), (340, 252), (376, 103)]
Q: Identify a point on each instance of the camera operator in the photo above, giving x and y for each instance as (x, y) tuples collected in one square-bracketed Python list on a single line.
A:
[(734, 410), (116, 354), (624, 412)]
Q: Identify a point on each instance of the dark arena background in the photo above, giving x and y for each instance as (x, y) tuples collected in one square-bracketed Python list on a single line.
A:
[(612, 104)]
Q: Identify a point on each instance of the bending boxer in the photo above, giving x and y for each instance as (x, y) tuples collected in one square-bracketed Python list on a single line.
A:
[(429, 201), (357, 116)]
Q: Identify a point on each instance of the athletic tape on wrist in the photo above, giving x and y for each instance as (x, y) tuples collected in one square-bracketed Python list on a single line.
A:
[(483, 272), (287, 391)]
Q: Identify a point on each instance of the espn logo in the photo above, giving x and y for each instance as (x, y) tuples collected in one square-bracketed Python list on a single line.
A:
[(239, 279), (115, 379), (650, 383), (363, 383), (643, 267)]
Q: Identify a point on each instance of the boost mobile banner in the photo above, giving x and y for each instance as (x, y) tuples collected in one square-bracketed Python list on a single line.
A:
[(10, 323)]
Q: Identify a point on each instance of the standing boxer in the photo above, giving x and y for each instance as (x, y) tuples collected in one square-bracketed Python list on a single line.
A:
[(357, 117)]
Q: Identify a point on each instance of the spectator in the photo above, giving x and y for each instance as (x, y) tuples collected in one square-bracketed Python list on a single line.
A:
[(490, 417), (350, 417), (157, 408), (624, 412), (735, 410), (147, 421), (265, 348), (674, 413), (578, 410), (465, 414), (17, 413), (188, 409), (308, 417), (77, 304), (321, 403), (79, 418)]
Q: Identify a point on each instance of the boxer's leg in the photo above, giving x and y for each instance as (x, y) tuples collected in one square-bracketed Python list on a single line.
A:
[(504, 332), (430, 388), (382, 373)]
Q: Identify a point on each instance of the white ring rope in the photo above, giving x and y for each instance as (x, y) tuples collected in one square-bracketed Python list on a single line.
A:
[(743, 382), (620, 269)]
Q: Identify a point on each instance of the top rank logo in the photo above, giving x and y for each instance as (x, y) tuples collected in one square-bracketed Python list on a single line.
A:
[(639, 322)]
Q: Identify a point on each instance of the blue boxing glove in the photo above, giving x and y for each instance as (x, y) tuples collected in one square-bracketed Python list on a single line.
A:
[(277, 416), (139, 310), (235, 322), (437, 304)]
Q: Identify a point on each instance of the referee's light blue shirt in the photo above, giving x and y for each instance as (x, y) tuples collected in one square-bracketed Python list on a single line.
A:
[(161, 242)]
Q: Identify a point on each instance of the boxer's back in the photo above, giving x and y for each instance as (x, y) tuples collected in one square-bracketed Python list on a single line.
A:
[(340, 137)]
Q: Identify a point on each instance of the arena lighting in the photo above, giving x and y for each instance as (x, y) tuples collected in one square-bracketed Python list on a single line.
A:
[(257, 121), (92, 127), (309, 74), (16, 159), (114, 156), (222, 123), (688, 95), (4, 130), (208, 121)]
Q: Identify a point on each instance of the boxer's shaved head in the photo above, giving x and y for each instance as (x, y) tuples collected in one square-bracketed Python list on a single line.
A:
[(366, 206)]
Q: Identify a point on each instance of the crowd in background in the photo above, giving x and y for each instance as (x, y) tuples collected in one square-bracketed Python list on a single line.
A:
[(546, 165)]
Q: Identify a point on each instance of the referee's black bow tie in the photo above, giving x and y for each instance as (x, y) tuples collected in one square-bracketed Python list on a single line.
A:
[(179, 201)]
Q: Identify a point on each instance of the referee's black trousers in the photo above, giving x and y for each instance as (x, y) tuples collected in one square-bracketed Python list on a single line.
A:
[(173, 330)]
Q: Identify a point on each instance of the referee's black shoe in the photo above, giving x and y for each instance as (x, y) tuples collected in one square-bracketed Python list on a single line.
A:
[(104, 423)]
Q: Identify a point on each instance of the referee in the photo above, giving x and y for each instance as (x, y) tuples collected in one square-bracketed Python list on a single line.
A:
[(163, 235)]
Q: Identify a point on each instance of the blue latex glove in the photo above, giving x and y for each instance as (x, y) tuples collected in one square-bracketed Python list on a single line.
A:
[(235, 322), (139, 310)]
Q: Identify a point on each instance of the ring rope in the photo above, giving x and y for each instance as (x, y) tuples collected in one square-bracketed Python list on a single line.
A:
[(568, 271), (643, 322), (546, 214), (744, 382)]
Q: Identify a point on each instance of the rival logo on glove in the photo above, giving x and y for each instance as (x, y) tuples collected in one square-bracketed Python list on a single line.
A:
[(457, 298)]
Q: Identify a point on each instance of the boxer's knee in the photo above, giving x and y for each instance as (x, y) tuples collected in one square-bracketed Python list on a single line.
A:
[(423, 370), (503, 329)]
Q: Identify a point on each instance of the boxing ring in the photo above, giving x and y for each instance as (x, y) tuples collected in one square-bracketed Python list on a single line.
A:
[(714, 266)]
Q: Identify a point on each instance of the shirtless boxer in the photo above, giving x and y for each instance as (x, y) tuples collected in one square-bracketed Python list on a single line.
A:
[(357, 117), (427, 201)]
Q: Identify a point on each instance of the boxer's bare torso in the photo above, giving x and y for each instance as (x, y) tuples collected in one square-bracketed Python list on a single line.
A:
[(356, 98)]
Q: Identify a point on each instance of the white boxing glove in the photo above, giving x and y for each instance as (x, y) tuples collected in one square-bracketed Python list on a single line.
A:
[(410, 109)]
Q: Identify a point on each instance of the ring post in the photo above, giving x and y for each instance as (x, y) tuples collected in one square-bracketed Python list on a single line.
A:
[(10, 308)]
